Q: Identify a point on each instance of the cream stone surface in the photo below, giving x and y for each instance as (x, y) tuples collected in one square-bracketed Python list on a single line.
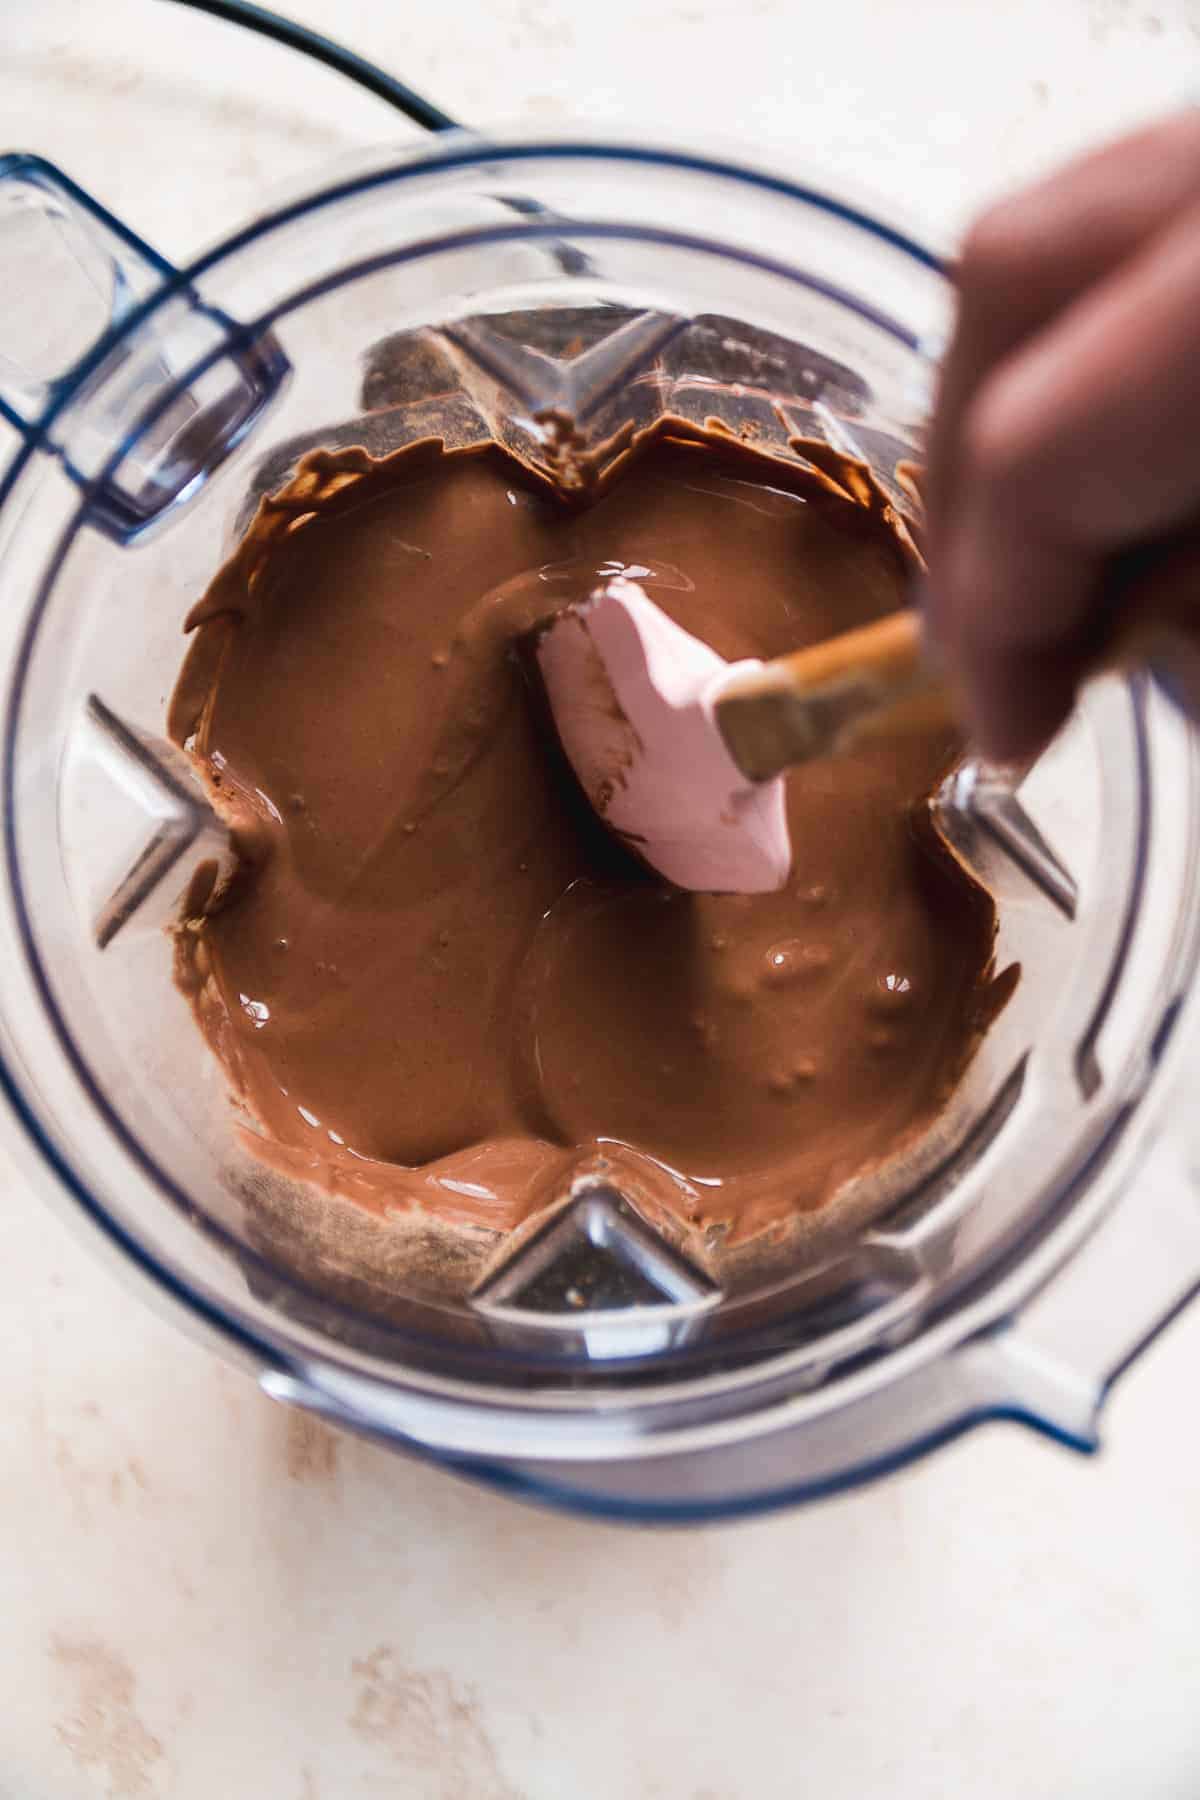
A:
[(202, 1595)]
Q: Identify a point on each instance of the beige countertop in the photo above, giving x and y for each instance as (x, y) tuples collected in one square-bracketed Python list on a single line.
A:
[(201, 1595)]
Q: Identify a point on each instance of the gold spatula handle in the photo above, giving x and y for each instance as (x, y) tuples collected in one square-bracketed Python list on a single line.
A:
[(873, 682)]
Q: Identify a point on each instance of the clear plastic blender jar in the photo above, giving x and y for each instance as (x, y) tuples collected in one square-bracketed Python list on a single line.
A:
[(1012, 1263)]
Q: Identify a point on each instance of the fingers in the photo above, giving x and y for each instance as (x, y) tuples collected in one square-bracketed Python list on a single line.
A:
[(1081, 442), (1017, 679), (1020, 698), (1030, 256), (1092, 426), (1168, 594)]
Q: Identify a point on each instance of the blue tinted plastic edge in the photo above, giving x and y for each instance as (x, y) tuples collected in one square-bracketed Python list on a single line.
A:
[(555, 1497), (23, 165), (472, 151)]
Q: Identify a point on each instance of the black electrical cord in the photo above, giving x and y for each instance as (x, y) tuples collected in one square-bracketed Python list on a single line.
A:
[(324, 50), (570, 259)]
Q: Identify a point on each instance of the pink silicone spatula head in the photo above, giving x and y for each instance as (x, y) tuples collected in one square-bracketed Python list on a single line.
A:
[(632, 697)]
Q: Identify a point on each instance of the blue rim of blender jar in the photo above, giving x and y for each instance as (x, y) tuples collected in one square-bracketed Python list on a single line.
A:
[(457, 149), (218, 1315)]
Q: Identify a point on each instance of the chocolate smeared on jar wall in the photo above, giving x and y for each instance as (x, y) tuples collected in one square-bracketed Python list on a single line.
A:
[(438, 980)]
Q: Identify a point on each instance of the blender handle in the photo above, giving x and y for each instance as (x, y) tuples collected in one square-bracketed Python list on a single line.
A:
[(72, 272), (1057, 1360), (111, 359)]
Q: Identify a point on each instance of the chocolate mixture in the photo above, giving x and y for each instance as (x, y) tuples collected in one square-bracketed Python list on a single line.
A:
[(437, 979)]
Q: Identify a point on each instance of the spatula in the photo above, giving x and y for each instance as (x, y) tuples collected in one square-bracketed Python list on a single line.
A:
[(682, 754)]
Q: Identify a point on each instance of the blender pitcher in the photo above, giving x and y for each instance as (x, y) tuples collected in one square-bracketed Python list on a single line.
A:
[(602, 1356)]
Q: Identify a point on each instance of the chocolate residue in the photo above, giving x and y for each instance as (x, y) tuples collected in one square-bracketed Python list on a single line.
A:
[(310, 1448), (438, 979), (101, 1728), (428, 1727)]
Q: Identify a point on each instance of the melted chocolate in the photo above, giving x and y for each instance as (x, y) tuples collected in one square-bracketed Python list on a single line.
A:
[(438, 979)]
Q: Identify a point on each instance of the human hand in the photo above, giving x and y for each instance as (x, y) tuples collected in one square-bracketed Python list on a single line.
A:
[(1063, 476)]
